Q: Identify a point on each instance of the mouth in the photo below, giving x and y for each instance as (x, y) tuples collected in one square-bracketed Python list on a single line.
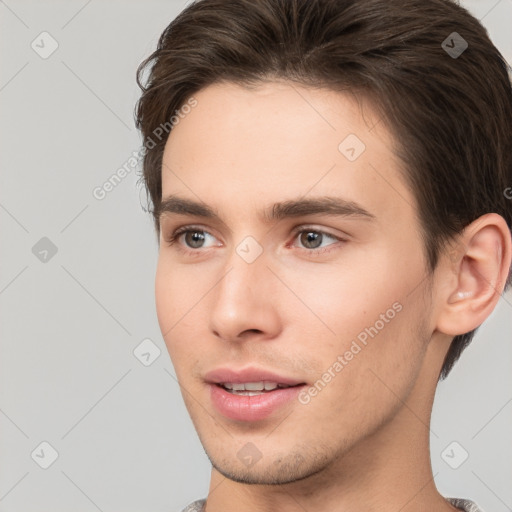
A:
[(251, 394), (253, 388)]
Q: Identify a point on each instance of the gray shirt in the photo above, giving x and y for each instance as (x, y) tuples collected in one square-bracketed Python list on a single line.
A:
[(464, 505)]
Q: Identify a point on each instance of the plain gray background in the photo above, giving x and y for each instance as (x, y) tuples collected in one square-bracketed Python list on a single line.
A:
[(70, 323)]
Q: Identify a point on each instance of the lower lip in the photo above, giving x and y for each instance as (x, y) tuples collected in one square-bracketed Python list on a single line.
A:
[(251, 408)]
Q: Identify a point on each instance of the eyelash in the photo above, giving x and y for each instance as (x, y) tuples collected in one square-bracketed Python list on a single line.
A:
[(172, 239)]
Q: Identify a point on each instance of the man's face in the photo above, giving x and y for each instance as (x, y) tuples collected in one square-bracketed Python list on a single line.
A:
[(336, 302)]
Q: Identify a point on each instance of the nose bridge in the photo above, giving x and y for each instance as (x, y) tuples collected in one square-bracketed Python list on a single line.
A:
[(243, 297), (246, 267), (243, 282)]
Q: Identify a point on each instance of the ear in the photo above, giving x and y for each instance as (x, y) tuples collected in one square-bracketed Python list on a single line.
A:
[(473, 280)]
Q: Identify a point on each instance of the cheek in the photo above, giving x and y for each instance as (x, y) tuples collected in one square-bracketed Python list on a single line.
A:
[(164, 297), (171, 300), (340, 301), (372, 319), (176, 291), (371, 294), (180, 299), (371, 379)]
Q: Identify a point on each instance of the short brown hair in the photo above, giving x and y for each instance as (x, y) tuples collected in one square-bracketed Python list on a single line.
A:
[(450, 114)]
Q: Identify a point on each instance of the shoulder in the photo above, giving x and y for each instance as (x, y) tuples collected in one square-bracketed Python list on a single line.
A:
[(196, 506), (464, 505)]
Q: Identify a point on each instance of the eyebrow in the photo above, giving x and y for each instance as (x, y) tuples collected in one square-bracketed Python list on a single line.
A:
[(325, 205)]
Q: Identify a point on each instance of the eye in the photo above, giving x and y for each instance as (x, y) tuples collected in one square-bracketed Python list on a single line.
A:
[(193, 238), (190, 239), (313, 239)]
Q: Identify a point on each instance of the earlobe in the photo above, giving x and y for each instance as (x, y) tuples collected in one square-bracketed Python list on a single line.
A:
[(481, 267)]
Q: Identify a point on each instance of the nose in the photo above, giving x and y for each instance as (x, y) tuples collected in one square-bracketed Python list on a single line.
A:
[(245, 301)]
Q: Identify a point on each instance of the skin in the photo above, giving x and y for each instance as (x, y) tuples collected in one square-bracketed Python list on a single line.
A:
[(362, 443)]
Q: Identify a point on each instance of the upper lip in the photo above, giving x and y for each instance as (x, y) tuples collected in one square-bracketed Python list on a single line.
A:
[(224, 375)]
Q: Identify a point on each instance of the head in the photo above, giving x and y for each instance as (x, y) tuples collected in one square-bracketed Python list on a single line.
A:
[(257, 111)]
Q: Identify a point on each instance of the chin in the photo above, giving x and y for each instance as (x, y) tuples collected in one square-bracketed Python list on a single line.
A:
[(282, 469)]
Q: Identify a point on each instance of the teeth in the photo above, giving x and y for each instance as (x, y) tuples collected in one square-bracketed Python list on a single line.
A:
[(253, 386)]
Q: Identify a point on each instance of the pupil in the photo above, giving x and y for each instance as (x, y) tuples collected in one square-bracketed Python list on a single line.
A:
[(309, 238), (194, 238)]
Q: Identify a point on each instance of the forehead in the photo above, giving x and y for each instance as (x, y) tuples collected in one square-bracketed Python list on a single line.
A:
[(256, 146)]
